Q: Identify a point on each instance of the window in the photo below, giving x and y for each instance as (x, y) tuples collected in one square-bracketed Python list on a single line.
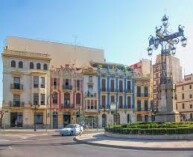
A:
[(90, 90), (91, 105), (190, 87), (128, 118), (103, 85), (138, 91), (16, 81), (78, 84), (176, 106), (182, 95), (128, 102), (36, 81), (190, 95), (120, 86), (67, 99), (36, 99), (38, 118), (182, 87), (183, 106), (112, 99), (191, 116), (42, 99), (146, 105), (42, 82), (78, 98), (112, 86), (13, 64), (138, 105), (55, 98), (190, 105), (90, 78), (128, 86), (146, 118), (146, 91), (120, 102), (20, 64), (31, 65), (45, 67), (55, 81), (38, 66), (16, 100), (103, 101)]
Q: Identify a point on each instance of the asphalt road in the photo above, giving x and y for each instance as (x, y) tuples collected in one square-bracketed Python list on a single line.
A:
[(57, 146)]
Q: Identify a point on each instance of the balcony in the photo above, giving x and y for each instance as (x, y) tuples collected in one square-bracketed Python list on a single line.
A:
[(128, 91), (16, 104), (67, 87), (104, 89), (90, 82), (142, 94), (112, 90), (16, 86), (91, 95), (120, 90), (67, 106)]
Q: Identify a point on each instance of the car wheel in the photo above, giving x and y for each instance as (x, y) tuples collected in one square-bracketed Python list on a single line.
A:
[(62, 134)]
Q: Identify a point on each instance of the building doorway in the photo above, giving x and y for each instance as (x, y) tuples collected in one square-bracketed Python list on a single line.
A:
[(16, 119), (66, 118), (55, 120), (104, 120), (117, 119)]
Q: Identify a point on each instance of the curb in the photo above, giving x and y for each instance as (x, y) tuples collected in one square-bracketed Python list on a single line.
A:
[(132, 147)]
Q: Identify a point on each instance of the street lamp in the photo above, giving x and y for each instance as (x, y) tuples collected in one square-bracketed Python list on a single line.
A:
[(167, 41)]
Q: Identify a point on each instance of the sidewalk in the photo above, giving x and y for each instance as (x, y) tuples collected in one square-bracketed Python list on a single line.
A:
[(100, 139), (17, 131)]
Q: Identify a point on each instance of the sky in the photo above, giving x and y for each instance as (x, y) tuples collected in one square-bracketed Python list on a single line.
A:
[(120, 27)]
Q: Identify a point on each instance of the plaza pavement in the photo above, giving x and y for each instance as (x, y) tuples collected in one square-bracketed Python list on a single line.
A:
[(100, 139)]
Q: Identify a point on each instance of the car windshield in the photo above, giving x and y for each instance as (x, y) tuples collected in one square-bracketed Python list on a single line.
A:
[(70, 126)]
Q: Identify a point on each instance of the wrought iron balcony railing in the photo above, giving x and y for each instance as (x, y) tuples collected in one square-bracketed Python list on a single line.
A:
[(67, 87), (67, 105), (16, 104), (17, 86)]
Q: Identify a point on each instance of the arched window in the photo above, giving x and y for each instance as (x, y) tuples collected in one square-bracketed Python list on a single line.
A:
[(55, 98), (78, 98), (20, 64), (45, 67), (67, 99), (31, 65), (38, 66), (13, 64)]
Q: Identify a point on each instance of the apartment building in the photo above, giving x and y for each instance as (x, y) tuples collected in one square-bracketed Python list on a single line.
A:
[(184, 97), (115, 93), (173, 70), (26, 85)]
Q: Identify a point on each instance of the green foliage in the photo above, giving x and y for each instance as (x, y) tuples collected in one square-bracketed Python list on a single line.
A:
[(152, 128)]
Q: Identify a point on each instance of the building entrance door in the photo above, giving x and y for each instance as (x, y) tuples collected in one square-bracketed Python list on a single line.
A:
[(66, 119), (16, 119), (55, 120), (104, 120)]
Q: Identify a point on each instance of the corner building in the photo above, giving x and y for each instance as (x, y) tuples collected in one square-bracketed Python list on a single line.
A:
[(26, 85)]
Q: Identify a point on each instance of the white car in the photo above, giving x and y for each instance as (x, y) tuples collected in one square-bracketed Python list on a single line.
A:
[(71, 129)]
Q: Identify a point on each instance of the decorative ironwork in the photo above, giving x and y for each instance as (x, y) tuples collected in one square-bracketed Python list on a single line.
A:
[(167, 40)]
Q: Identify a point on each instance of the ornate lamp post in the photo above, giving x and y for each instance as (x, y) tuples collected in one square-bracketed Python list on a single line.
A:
[(167, 41)]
